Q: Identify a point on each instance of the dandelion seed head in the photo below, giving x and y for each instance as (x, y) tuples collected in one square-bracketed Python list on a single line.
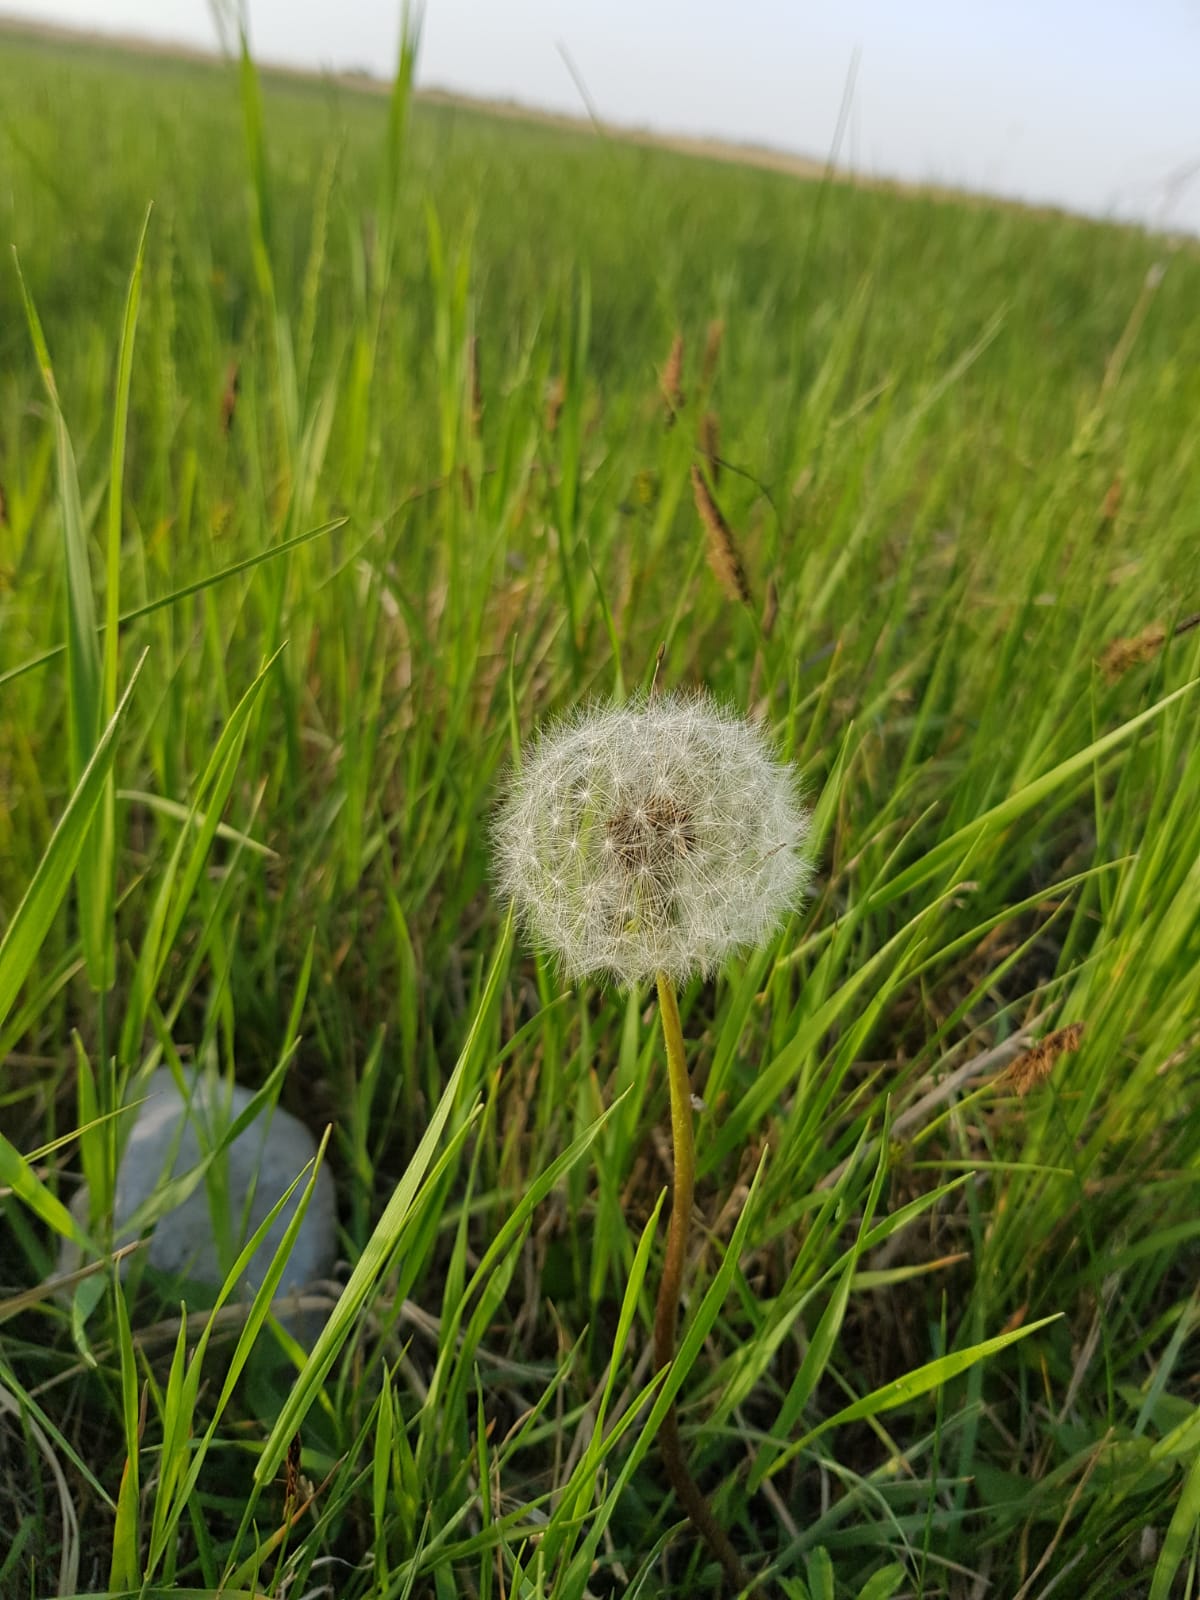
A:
[(654, 837)]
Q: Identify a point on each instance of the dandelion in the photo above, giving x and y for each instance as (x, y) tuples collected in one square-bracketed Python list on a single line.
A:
[(651, 838), (651, 841)]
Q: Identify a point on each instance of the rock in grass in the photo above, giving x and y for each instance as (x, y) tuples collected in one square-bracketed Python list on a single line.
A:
[(168, 1140)]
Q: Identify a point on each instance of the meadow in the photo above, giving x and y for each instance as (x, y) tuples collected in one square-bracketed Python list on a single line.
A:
[(395, 430)]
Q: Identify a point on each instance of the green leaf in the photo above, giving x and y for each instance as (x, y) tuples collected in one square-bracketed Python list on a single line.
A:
[(16, 1174), (197, 586), (182, 873), (1181, 1532), (974, 835), (819, 1570), (382, 1242), (124, 1570), (882, 1585), (31, 921), (821, 1345), (918, 1382), (94, 866)]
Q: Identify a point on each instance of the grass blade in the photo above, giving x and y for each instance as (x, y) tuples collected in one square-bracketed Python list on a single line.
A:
[(31, 921)]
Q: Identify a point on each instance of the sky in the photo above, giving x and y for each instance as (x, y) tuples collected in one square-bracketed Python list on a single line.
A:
[(1093, 106)]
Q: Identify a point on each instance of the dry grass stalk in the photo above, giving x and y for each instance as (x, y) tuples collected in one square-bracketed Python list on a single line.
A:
[(3, 508), (1124, 653), (712, 350), (770, 609), (710, 444), (1120, 655), (1034, 1066), (671, 379), (556, 397), (1112, 501), (723, 555)]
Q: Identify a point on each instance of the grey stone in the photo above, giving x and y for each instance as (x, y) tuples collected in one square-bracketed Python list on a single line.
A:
[(258, 1166)]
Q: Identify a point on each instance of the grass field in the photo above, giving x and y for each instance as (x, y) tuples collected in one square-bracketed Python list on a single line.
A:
[(384, 453)]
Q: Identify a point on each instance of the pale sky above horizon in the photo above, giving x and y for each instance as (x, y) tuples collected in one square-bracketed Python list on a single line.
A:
[(1093, 106)]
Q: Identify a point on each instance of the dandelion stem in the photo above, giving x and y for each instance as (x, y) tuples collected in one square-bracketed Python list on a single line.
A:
[(666, 1311)]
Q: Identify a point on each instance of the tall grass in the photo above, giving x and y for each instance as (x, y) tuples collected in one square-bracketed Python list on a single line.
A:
[(320, 491)]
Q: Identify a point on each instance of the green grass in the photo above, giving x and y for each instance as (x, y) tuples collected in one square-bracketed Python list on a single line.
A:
[(936, 1333)]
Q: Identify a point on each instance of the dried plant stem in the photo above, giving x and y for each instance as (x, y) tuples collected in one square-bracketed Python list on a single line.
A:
[(666, 1311)]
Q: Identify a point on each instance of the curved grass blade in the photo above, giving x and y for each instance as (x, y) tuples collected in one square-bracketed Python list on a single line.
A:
[(198, 586)]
